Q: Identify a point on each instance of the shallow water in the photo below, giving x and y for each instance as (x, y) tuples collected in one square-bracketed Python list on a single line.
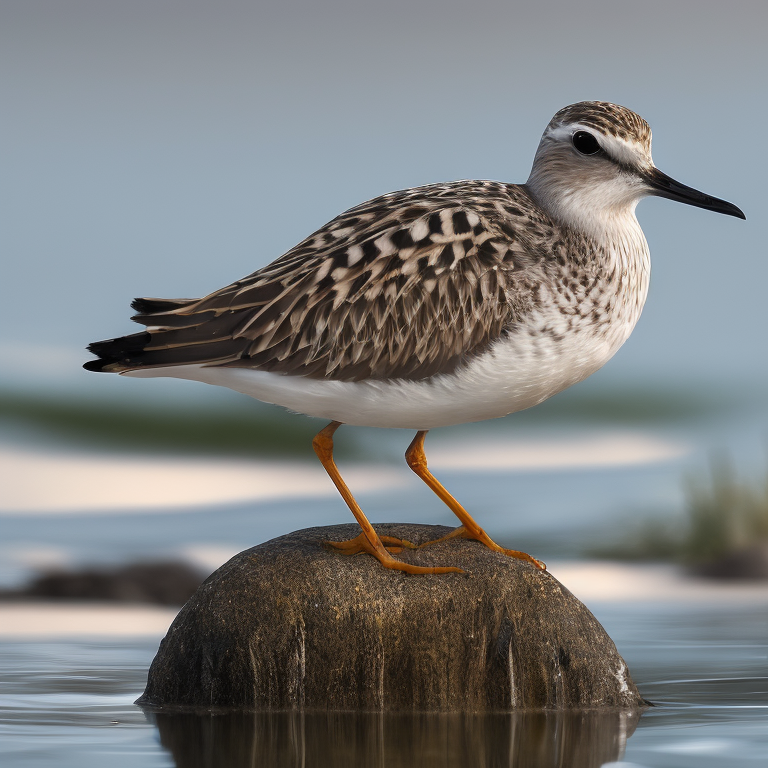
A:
[(704, 667)]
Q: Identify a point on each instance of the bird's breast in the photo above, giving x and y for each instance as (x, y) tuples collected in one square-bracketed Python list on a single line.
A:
[(584, 311)]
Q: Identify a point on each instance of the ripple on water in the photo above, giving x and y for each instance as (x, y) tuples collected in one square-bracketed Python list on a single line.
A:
[(70, 704)]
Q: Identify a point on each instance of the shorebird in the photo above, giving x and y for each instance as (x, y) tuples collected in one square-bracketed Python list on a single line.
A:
[(431, 306)]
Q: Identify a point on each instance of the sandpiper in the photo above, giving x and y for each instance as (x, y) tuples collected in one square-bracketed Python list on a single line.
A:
[(431, 306)]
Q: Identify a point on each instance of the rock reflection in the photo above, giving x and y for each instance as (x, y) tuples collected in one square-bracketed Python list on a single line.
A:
[(577, 739)]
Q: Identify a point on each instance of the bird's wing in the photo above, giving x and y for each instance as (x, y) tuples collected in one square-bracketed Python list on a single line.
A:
[(408, 285)]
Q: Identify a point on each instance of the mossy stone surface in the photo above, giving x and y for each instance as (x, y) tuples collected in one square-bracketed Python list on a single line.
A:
[(291, 624)]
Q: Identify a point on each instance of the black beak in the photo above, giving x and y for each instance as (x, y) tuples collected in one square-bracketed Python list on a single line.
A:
[(663, 186)]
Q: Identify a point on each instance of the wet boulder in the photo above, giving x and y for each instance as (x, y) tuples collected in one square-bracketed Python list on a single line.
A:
[(292, 624)]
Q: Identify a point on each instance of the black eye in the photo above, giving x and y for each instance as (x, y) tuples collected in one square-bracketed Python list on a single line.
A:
[(586, 143)]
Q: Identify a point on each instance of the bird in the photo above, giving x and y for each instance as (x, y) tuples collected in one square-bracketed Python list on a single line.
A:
[(433, 306)]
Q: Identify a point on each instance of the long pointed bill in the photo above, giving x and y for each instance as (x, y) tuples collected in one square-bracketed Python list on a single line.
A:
[(663, 186)]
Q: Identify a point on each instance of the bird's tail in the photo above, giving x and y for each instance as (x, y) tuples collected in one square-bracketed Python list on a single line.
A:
[(129, 352)]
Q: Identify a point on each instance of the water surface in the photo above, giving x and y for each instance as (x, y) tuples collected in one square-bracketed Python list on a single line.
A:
[(705, 668)]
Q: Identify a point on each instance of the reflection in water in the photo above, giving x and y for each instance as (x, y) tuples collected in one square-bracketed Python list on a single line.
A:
[(67, 703), (578, 739)]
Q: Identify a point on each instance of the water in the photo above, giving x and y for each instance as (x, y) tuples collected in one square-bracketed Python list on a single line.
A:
[(704, 667)]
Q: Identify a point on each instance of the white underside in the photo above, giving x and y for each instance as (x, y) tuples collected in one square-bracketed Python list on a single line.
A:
[(511, 376)]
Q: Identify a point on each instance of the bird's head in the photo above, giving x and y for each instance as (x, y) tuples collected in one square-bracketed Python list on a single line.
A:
[(594, 164)]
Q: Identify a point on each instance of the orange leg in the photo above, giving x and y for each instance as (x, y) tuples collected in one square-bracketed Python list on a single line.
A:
[(468, 529), (368, 540)]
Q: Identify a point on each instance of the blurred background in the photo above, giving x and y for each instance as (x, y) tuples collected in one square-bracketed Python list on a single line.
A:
[(168, 148)]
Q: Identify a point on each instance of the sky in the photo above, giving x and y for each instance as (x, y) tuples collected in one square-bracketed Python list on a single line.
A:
[(167, 148)]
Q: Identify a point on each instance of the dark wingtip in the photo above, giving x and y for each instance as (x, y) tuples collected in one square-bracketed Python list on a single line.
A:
[(97, 366), (142, 306), (145, 306), (114, 354)]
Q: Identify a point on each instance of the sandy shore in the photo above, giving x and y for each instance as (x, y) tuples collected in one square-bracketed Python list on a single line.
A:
[(38, 481), (593, 583), (87, 483), (600, 582), (587, 451), (50, 621)]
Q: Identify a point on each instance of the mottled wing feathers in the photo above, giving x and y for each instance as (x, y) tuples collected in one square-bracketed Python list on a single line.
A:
[(404, 286)]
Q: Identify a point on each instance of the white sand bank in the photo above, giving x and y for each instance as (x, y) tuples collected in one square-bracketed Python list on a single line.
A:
[(610, 449), (62, 620), (46, 482), (37, 482), (595, 582)]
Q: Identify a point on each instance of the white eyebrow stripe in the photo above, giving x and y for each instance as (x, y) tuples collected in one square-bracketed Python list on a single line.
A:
[(625, 152)]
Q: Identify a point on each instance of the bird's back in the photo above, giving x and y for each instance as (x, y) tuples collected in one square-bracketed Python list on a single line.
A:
[(407, 285)]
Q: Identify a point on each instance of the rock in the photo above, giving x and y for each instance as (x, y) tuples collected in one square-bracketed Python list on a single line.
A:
[(291, 624), (162, 583), (746, 564)]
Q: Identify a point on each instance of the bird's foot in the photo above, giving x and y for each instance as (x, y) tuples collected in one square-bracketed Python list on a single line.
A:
[(389, 544), (480, 535), (361, 544)]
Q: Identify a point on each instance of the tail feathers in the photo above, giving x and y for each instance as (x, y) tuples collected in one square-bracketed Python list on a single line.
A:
[(116, 355), (175, 335), (152, 306), (165, 314), (138, 351), (168, 321), (127, 352)]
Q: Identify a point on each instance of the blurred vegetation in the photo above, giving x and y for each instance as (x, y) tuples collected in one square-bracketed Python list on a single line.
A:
[(184, 428), (257, 429), (651, 540), (625, 406), (160, 582), (724, 514)]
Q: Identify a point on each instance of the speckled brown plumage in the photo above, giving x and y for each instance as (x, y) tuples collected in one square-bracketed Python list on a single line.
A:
[(407, 285)]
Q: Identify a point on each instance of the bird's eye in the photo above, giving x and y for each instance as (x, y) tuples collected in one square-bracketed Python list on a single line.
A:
[(585, 143)]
